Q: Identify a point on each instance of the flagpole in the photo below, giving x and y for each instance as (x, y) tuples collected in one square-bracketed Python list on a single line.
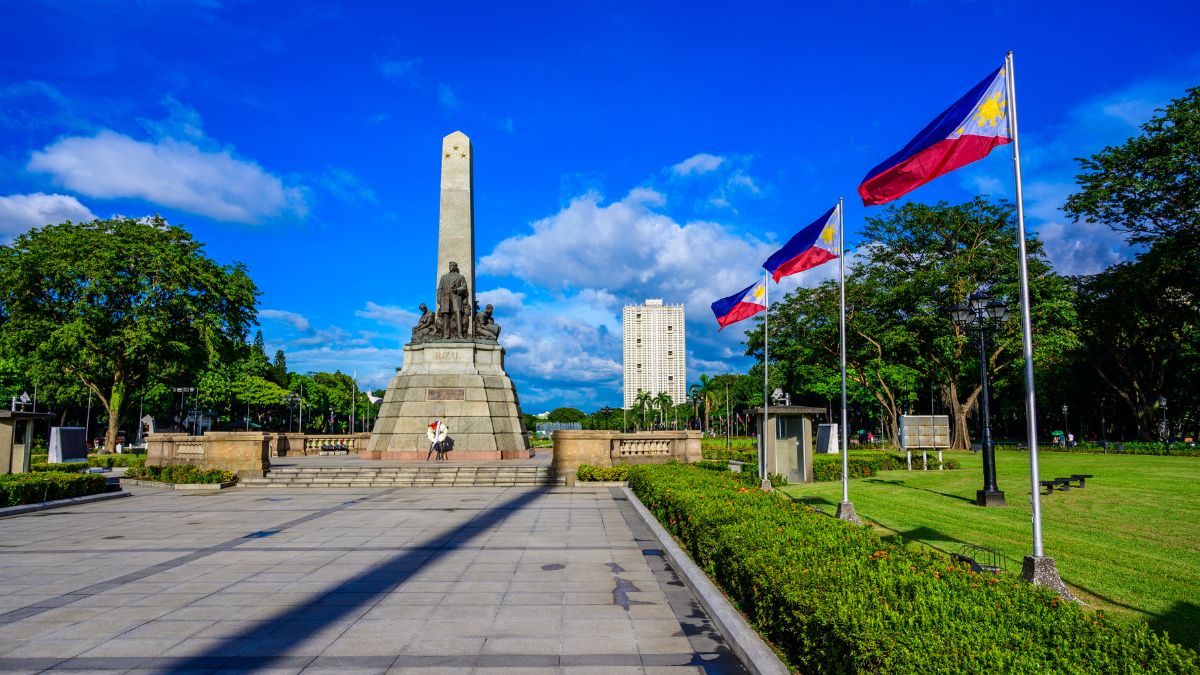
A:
[(762, 445), (845, 510), (1037, 568)]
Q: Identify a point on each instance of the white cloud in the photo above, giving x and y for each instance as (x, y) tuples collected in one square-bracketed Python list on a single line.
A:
[(389, 315), (347, 187), (501, 298), (698, 164), (171, 173), (446, 97), (19, 213), (632, 251), (740, 179), (989, 185), (400, 71), (295, 320), (376, 366)]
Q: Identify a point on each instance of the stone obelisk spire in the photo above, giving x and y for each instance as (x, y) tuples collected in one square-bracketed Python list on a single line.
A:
[(456, 217)]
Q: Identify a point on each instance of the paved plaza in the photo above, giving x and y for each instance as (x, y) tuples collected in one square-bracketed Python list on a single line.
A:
[(454, 580)]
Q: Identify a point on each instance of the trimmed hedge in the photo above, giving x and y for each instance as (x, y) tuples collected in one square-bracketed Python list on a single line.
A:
[(180, 473), (1127, 448), (834, 598), (109, 461), (34, 488), (867, 464), (66, 467), (587, 472), (748, 456)]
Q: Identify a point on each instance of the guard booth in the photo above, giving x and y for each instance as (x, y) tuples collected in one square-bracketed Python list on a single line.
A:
[(789, 441), (16, 438)]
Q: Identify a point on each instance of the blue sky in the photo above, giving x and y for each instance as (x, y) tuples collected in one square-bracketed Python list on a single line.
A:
[(622, 150)]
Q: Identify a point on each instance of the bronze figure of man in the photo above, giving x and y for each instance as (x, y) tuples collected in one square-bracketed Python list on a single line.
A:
[(425, 325), (451, 296)]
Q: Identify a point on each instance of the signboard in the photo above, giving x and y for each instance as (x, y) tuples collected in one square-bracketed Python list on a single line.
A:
[(924, 431)]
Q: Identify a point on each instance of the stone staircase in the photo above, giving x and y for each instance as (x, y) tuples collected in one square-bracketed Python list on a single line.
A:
[(406, 476)]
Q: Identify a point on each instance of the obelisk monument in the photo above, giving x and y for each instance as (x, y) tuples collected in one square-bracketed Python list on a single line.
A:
[(456, 215), (454, 365)]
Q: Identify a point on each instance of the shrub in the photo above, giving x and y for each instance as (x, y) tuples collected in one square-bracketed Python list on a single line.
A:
[(71, 467), (43, 486), (109, 461), (833, 597), (180, 473), (867, 464), (587, 472), (737, 454), (713, 465)]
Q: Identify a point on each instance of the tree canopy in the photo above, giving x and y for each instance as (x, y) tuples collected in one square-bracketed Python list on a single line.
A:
[(916, 262), (113, 303), (1149, 186)]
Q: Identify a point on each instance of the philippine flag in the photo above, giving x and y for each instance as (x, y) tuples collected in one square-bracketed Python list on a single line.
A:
[(812, 246), (966, 132), (741, 305)]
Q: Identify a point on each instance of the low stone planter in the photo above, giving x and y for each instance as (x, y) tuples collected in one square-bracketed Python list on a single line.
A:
[(60, 503), (178, 486), (601, 483)]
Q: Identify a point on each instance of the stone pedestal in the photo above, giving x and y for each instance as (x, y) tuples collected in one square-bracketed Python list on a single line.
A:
[(463, 383), (1041, 571), (845, 511)]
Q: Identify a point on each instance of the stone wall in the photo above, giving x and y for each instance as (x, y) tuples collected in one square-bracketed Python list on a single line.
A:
[(608, 448), (301, 445), (247, 453)]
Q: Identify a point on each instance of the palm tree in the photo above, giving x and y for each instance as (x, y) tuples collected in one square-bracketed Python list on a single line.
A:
[(708, 389), (644, 400), (663, 402)]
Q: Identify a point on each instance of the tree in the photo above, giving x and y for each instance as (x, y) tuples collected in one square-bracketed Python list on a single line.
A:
[(279, 371), (1139, 332), (641, 404), (112, 302), (1149, 187), (565, 415), (664, 403), (917, 261)]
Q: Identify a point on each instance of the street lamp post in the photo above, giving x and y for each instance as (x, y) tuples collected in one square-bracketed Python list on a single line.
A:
[(983, 315), (607, 413), (183, 392), (290, 400)]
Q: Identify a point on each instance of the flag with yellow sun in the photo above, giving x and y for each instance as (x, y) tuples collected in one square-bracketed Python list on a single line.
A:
[(966, 132), (814, 245)]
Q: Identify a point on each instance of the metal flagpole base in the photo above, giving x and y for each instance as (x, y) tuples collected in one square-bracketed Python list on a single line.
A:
[(1041, 571), (766, 485), (845, 511), (990, 498)]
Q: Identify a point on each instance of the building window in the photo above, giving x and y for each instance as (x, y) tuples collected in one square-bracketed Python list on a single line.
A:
[(668, 328), (670, 377), (639, 341), (669, 352), (639, 316)]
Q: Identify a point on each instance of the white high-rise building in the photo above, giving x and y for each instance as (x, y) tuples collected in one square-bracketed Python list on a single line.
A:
[(655, 354)]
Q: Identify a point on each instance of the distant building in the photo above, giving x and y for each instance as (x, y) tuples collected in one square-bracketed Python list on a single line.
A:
[(655, 358)]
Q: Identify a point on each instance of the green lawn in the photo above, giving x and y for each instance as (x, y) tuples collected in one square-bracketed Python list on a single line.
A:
[(1128, 543)]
